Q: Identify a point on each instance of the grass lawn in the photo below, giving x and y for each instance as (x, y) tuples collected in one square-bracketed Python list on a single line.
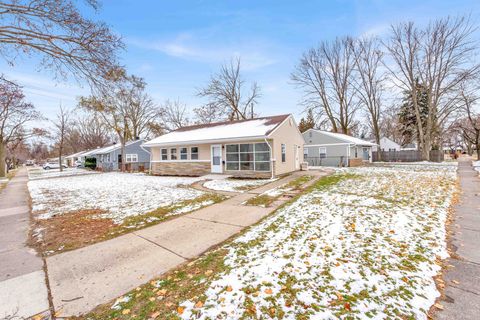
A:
[(71, 212), (267, 198), (364, 243)]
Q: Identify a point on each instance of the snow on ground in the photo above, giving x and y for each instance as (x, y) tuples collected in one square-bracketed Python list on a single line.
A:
[(235, 185), (365, 248), (120, 194), (40, 173), (476, 165)]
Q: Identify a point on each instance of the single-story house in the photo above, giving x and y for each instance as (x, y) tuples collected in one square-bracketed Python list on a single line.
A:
[(260, 148), (109, 158), (324, 148), (387, 144), (71, 159)]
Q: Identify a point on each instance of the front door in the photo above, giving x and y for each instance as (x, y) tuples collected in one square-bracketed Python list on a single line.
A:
[(216, 158), (366, 154)]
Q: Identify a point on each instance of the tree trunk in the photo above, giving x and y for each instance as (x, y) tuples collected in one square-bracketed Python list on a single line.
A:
[(60, 151), (3, 171)]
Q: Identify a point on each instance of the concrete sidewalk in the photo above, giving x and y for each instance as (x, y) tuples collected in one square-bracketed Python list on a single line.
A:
[(84, 278), (23, 292), (462, 292)]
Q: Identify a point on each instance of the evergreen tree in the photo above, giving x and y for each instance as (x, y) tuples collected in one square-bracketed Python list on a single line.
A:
[(308, 123), (407, 118)]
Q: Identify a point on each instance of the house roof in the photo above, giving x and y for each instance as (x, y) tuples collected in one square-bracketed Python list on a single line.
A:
[(346, 138), (108, 149), (221, 131), (73, 155)]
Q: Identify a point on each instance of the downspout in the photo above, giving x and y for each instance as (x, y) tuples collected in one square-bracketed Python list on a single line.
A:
[(150, 163), (271, 157)]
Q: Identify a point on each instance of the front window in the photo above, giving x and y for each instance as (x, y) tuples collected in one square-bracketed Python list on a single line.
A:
[(164, 154), (284, 153), (194, 153), (173, 154), (248, 156), (322, 152), (305, 153), (183, 154), (131, 157)]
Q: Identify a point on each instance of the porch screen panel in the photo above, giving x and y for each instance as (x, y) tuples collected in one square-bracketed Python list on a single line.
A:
[(248, 156)]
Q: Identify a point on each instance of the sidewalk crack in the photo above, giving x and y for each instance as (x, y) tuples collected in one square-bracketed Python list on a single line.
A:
[(225, 223), (159, 245)]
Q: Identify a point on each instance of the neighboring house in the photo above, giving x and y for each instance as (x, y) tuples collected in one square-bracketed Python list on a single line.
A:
[(410, 147), (71, 159), (387, 145), (323, 148), (262, 148), (109, 158)]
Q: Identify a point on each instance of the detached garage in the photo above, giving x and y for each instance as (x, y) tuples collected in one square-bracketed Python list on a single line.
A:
[(324, 148)]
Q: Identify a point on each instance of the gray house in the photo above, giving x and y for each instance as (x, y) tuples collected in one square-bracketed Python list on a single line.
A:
[(137, 158), (323, 148)]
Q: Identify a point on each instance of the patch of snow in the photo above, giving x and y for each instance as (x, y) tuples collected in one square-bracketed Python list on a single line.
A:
[(235, 185), (119, 194), (117, 305), (191, 207), (39, 173), (371, 240)]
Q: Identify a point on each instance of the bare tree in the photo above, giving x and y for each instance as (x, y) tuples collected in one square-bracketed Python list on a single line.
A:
[(15, 113), (61, 124), (121, 106), (370, 83), (58, 32), (208, 114), (439, 57), (226, 93), (325, 74), (92, 132), (174, 115), (469, 125)]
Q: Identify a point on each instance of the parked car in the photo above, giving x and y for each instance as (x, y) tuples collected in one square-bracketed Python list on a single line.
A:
[(52, 165), (78, 164), (30, 163)]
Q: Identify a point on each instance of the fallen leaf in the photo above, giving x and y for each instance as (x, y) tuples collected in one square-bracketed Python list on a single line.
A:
[(152, 299), (346, 305), (154, 315), (208, 272), (438, 306), (268, 291), (229, 289), (126, 311), (199, 304), (455, 282), (180, 309), (339, 296)]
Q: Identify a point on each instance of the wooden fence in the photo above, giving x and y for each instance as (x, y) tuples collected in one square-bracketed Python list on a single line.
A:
[(406, 156)]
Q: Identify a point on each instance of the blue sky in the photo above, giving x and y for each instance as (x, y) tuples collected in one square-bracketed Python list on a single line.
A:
[(177, 45)]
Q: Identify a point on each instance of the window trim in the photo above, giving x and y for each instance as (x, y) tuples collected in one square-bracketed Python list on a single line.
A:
[(161, 154), (283, 150), (320, 152), (183, 153), (130, 155), (173, 154), (253, 152), (194, 153)]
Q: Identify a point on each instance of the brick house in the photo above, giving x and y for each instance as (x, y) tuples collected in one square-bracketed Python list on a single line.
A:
[(260, 148)]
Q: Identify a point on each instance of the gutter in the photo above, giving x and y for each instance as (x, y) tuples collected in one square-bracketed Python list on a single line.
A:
[(206, 141)]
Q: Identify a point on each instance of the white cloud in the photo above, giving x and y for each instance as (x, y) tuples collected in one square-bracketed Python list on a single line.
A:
[(187, 46)]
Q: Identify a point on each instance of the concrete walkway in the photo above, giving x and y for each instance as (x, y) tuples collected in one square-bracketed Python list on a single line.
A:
[(84, 278), (462, 292), (23, 292)]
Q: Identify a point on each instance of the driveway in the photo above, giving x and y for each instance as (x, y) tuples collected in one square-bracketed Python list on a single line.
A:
[(462, 292), (84, 278), (23, 292)]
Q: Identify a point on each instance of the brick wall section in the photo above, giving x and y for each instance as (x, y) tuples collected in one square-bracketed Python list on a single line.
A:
[(357, 162), (198, 169), (181, 168)]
